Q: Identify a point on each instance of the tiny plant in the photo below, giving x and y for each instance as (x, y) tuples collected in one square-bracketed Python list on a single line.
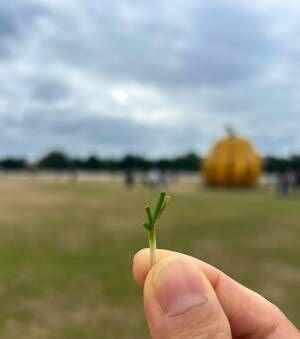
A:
[(153, 219)]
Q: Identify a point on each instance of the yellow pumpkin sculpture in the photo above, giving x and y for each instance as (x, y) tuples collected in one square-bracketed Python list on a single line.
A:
[(232, 162)]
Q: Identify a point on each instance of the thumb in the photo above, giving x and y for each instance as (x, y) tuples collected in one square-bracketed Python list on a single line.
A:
[(180, 302)]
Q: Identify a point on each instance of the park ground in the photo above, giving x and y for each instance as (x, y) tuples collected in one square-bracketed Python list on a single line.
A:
[(66, 250)]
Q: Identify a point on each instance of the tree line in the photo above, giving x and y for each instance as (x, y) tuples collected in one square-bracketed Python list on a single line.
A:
[(59, 161)]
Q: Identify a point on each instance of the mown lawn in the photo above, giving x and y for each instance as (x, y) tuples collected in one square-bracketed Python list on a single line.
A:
[(66, 251)]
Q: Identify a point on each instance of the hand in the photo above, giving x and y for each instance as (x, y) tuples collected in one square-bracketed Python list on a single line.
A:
[(186, 298)]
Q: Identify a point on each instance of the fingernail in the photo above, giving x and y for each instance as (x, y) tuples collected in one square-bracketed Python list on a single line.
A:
[(178, 287)]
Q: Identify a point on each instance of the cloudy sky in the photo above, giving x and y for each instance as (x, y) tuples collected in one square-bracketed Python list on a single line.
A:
[(148, 77)]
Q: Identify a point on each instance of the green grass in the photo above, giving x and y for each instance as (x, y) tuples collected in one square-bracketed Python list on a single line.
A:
[(66, 251)]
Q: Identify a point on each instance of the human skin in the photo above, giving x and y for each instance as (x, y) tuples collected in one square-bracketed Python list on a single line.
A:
[(186, 298)]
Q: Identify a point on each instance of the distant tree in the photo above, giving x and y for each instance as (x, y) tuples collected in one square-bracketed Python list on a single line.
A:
[(111, 165), (188, 162), (93, 163), (134, 162), (164, 164), (276, 164), (55, 160), (295, 162), (13, 164), (79, 164)]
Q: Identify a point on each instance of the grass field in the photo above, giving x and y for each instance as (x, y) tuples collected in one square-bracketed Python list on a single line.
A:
[(66, 251)]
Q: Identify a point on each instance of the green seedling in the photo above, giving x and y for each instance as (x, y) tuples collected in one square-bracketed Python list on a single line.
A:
[(152, 223)]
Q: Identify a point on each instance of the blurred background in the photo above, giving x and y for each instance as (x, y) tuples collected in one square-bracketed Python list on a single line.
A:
[(104, 104)]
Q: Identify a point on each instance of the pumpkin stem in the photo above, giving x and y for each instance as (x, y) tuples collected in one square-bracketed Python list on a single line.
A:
[(230, 131)]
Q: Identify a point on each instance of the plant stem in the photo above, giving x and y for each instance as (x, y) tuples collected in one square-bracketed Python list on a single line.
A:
[(152, 245), (159, 205), (152, 223)]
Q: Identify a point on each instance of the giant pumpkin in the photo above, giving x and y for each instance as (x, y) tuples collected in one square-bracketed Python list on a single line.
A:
[(232, 162)]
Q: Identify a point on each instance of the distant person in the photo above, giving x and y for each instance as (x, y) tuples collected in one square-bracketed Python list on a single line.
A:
[(151, 178), (156, 178), (297, 178), (283, 184), (292, 179), (287, 182), (74, 176), (185, 298), (129, 177), (163, 178)]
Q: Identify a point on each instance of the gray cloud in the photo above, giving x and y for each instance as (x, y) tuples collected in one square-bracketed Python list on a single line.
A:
[(212, 44), (17, 19), (162, 78), (48, 89), (85, 135)]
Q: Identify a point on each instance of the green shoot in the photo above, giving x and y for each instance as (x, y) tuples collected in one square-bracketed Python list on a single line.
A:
[(152, 223)]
